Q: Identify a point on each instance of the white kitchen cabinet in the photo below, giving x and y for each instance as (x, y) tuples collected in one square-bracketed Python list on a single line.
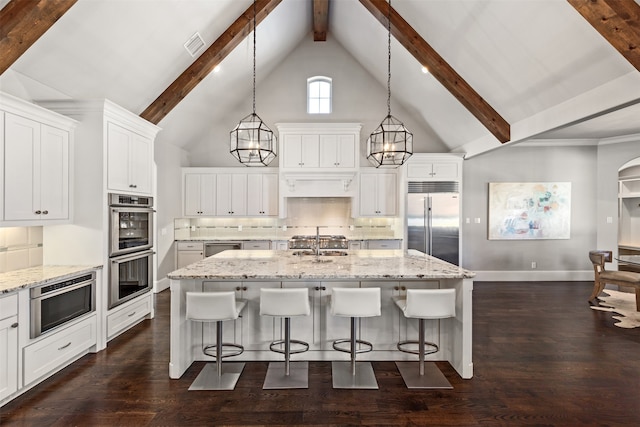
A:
[(36, 163), (59, 349), (434, 167), (337, 151), (300, 151), (320, 328), (378, 194), (383, 330), (262, 194), (384, 244), (231, 194), (8, 346), (129, 160), (188, 253), (123, 317), (319, 146), (257, 245), (199, 194)]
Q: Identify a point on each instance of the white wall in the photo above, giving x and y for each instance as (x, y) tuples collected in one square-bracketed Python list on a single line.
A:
[(169, 159), (511, 260), (281, 97)]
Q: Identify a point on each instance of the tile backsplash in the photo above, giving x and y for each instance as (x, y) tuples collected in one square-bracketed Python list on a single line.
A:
[(333, 214), (20, 247)]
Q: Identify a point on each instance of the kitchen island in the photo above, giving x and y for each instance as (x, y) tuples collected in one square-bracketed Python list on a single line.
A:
[(393, 271)]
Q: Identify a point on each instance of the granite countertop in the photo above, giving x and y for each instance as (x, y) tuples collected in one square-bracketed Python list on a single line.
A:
[(34, 276), (281, 238), (358, 264)]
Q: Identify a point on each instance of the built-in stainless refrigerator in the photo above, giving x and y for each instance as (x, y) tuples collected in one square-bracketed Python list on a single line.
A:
[(433, 219)]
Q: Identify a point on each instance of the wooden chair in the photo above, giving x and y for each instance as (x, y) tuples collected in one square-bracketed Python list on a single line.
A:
[(603, 276)]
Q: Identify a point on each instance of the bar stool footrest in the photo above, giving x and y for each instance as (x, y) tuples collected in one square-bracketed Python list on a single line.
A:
[(231, 350), (274, 346), (429, 347), (367, 344)]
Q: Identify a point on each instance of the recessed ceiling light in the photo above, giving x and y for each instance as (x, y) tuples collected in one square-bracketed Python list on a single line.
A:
[(216, 68), (425, 70)]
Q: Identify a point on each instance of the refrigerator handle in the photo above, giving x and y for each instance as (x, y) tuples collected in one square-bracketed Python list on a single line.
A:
[(428, 225)]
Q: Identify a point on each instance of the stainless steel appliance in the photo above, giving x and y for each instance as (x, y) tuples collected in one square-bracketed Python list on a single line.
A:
[(320, 244), (213, 248), (130, 223), (55, 304), (433, 219), (129, 276)]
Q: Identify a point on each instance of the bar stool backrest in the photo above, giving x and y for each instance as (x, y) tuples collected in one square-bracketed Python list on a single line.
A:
[(212, 306), (285, 302), (355, 302), (430, 303)]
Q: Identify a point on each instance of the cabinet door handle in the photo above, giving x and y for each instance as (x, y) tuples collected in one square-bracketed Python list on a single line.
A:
[(45, 212), (317, 288), (65, 346), (38, 212), (237, 288), (244, 288), (130, 315), (133, 186), (14, 325), (324, 288)]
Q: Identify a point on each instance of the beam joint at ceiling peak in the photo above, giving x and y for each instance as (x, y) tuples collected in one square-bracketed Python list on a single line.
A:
[(320, 20), (440, 69)]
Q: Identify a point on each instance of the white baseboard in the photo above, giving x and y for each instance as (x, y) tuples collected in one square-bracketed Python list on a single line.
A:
[(161, 285), (532, 276)]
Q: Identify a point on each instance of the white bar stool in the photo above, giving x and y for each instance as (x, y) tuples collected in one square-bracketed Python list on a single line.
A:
[(216, 307), (353, 303), (287, 303), (424, 304)]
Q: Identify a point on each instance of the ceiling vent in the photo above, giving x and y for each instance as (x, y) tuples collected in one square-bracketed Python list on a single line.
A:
[(194, 45)]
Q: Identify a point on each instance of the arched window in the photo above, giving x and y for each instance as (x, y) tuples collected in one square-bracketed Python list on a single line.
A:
[(319, 95)]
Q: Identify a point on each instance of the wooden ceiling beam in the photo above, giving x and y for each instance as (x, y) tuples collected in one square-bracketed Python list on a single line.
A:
[(209, 59), (22, 22), (618, 21), (440, 69), (320, 20)]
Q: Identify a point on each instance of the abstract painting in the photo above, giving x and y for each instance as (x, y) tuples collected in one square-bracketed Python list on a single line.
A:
[(529, 210)]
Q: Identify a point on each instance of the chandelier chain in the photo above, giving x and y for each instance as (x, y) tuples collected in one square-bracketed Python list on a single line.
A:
[(389, 59), (254, 56)]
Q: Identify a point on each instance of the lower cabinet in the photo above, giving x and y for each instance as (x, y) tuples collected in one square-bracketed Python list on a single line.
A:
[(125, 316), (188, 253), (57, 350), (8, 346)]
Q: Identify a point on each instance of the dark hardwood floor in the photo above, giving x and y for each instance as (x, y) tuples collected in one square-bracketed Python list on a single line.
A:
[(541, 358)]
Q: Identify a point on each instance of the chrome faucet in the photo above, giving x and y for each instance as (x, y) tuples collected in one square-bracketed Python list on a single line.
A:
[(317, 241)]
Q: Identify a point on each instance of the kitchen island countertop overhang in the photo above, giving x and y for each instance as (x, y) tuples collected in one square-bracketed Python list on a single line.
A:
[(357, 265), (246, 271)]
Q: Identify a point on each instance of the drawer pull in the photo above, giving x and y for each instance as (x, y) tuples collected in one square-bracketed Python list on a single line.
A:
[(132, 314), (65, 346), (15, 325)]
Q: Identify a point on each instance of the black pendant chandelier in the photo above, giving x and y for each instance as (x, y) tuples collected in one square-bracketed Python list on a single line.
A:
[(252, 142), (391, 143)]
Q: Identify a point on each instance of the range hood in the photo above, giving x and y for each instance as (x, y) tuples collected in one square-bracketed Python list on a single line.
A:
[(318, 184)]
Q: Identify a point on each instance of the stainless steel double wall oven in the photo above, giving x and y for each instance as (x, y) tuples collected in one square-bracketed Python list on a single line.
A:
[(130, 247)]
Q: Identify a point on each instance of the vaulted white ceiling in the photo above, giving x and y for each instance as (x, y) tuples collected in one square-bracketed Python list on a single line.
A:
[(538, 63)]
